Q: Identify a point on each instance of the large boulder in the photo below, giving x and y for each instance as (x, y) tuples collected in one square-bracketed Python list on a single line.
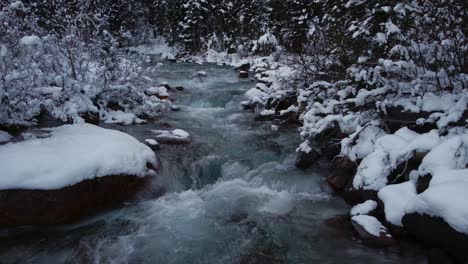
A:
[(305, 159), (343, 171), (354, 196), (20, 207), (436, 233), (71, 172)]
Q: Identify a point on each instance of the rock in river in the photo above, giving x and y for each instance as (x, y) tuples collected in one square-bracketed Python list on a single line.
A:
[(76, 171)]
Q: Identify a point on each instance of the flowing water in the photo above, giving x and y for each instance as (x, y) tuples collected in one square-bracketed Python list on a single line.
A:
[(232, 196)]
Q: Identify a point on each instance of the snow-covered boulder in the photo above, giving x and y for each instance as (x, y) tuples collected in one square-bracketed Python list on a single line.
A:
[(153, 144), (176, 136), (439, 218), (200, 74), (371, 231), (5, 137), (76, 171), (123, 118), (161, 92)]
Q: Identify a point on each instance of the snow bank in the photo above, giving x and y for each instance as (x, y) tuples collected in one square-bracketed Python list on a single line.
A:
[(71, 154), (5, 136), (30, 40)]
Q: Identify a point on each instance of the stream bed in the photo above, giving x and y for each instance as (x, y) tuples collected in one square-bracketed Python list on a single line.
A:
[(232, 196)]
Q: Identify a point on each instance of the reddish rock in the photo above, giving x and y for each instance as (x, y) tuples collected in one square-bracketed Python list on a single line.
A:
[(354, 196), (91, 117), (20, 207), (244, 67), (436, 233), (340, 225), (162, 97), (344, 170), (305, 160), (243, 75)]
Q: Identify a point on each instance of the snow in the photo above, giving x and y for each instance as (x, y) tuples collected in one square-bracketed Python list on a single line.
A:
[(120, 117), (395, 197), (364, 138), (180, 133), (53, 90), (370, 224), (389, 151), (3, 51), (5, 136), (168, 56), (177, 135), (364, 208), (160, 91), (71, 154), (200, 74), (158, 46), (445, 200), (267, 112), (255, 95), (16, 5), (30, 40), (151, 142)]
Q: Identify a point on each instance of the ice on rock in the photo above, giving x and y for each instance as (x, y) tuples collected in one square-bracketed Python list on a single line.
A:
[(71, 154)]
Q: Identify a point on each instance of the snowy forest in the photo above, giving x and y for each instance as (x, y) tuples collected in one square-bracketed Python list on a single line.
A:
[(228, 131)]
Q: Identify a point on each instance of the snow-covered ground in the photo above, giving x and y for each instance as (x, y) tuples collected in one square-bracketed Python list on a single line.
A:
[(70, 154)]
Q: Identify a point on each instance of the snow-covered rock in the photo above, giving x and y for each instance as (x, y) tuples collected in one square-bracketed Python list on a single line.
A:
[(5, 137), (389, 151), (153, 144), (176, 136), (371, 231), (200, 74), (395, 197), (30, 40), (168, 57), (161, 92), (363, 208), (120, 117), (72, 153)]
